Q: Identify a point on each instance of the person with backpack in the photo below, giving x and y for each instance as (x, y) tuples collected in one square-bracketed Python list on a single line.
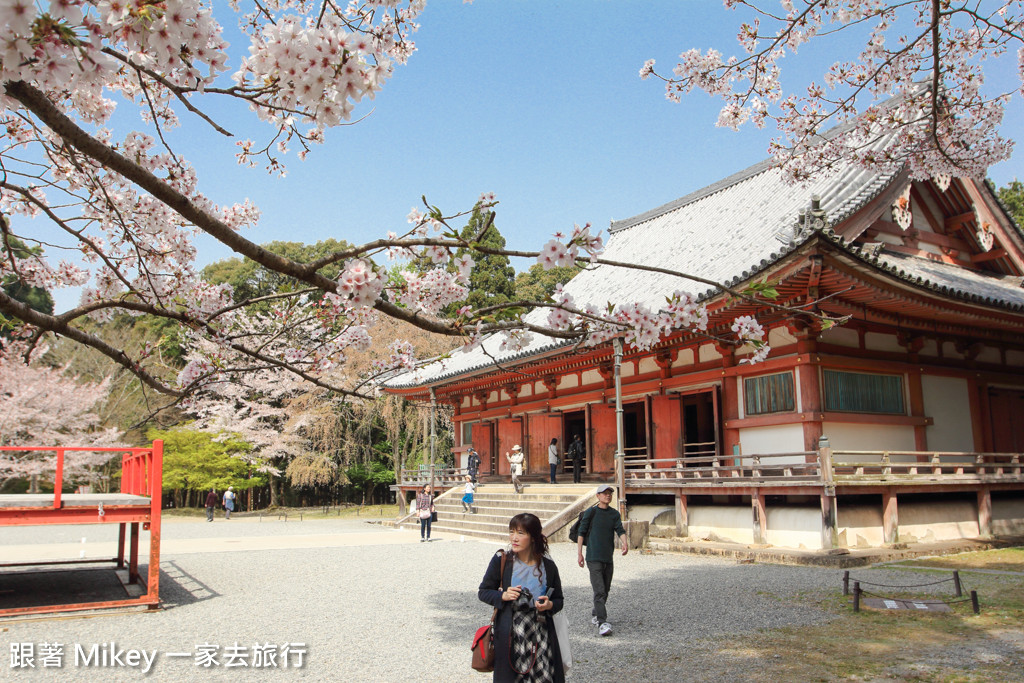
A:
[(473, 466), (576, 451), (598, 529)]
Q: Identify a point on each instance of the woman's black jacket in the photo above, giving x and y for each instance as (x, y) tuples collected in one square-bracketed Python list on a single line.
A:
[(490, 592)]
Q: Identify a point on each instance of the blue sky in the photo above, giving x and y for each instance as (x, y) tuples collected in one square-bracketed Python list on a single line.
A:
[(538, 102)]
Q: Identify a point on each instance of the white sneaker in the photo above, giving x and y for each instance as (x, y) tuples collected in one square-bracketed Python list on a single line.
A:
[(595, 621), (605, 629)]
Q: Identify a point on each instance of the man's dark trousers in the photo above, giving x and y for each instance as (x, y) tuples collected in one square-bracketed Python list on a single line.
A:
[(601, 582), (577, 467)]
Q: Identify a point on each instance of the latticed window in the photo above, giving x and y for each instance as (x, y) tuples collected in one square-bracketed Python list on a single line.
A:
[(769, 394), (859, 392)]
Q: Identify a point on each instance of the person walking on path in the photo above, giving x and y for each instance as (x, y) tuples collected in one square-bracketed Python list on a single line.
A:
[(229, 502), (553, 459), (599, 527), (473, 466), (211, 504), (515, 461), (425, 510), (576, 452), (467, 497), (526, 597)]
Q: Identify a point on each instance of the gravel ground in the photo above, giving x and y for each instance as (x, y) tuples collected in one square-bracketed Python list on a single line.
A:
[(407, 612)]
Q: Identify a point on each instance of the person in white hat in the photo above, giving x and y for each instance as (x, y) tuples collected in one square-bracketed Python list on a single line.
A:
[(598, 530), (515, 461)]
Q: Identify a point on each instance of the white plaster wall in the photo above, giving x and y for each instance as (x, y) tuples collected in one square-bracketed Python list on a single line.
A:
[(721, 523), (503, 395), (1015, 358), (863, 437), (772, 439), (929, 348), (570, 381), (685, 357), (792, 526), (1008, 517), (989, 355), (592, 377), (539, 388), (525, 390), (946, 400), (860, 526), (708, 352), (841, 336), (779, 337), (875, 341), (648, 365), (932, 522), (628, 369)]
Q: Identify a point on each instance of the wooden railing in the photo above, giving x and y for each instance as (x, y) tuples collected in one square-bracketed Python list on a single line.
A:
[(141, 468), (855, 465), (443, 476), (827, 467)]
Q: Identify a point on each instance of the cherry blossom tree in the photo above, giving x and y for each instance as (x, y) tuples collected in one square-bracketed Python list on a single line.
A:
[(913, 97), (44, 406), (126, 204)]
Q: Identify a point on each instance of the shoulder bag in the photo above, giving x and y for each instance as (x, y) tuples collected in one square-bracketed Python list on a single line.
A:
[(483, 640)]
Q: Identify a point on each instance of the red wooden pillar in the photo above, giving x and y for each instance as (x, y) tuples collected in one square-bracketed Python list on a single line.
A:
[(890, 518), (917, 410), (682, 515), (985, 512), (810, 403), (759, 519), (133, 560)]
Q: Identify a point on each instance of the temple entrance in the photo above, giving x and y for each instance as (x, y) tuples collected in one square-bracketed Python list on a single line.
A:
[(572, 424)]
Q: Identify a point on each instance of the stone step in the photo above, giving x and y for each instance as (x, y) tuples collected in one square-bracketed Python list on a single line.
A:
[(539, 508)]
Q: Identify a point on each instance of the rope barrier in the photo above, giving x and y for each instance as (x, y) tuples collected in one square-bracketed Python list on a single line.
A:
[(858, 592)]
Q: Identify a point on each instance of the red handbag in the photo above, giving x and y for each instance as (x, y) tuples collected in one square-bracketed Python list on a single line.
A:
[(483, 639)]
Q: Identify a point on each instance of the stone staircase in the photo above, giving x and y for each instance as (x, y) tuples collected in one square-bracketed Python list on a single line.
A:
[(557, 506)]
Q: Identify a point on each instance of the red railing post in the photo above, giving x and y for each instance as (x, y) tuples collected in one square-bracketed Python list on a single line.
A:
[(58, 479), (156, 495)]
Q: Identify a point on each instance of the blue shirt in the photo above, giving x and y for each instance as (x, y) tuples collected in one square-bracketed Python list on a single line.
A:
[(525, 575)]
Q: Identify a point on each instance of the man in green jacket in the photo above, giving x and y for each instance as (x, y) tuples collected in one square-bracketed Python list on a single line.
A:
[(599, 527)]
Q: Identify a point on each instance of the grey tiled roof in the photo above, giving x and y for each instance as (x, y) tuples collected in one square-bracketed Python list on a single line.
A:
[(726, 232)]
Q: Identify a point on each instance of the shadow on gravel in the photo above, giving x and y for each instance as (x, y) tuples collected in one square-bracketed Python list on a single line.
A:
[(178, 588), (660, 616)]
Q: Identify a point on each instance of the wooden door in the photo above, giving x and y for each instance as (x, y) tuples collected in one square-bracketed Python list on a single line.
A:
[(542, 428), (510, 433), (603, 440), (482, 436), (1006, 409), (666, 429)]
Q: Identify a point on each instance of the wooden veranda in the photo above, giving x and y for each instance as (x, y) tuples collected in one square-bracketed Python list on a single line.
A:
[(137, 505)]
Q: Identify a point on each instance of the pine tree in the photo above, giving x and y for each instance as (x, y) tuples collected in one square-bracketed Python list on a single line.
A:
[(492, 280)]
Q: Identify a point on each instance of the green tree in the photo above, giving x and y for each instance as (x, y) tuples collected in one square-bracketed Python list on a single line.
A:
[(537, 284), (196, 461), (492, 280), (37, 298), (251, 280), (367, 477), (1012, 197)]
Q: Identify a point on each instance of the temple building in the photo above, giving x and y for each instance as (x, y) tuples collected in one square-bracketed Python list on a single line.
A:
[(904, 423)]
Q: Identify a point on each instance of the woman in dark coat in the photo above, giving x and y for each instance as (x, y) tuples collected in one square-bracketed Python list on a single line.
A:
[(528, 570)]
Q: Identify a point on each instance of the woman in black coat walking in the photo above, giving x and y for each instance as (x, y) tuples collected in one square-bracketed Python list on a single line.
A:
[(527, 597)]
